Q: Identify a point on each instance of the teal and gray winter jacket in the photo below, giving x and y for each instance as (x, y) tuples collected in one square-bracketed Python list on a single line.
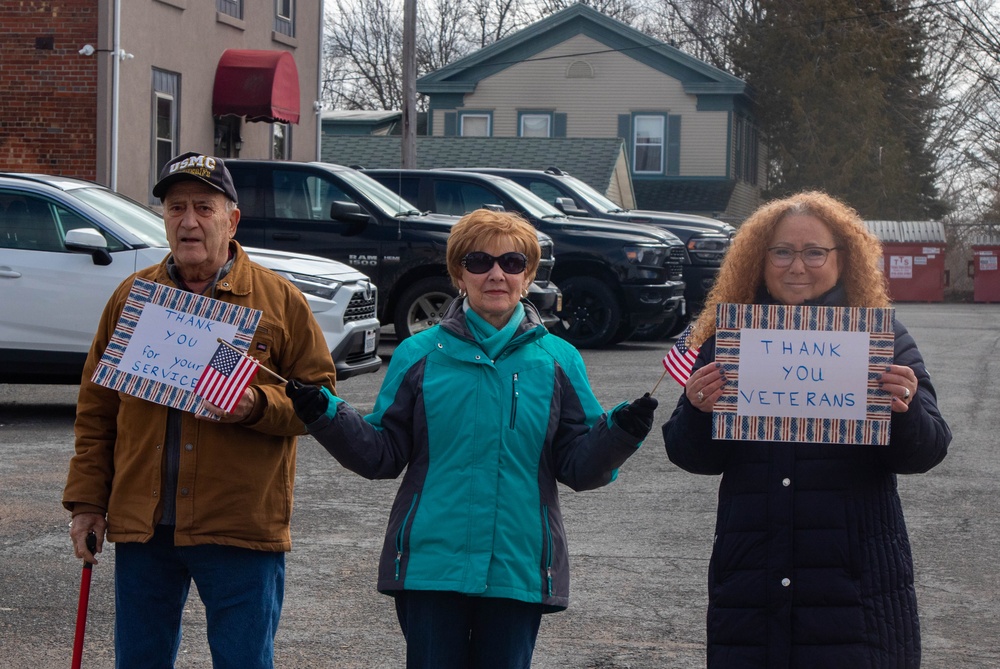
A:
[(483, 443)]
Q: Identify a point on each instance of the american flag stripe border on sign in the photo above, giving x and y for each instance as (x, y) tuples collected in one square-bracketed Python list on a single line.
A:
[(873, 430), (142, 292)]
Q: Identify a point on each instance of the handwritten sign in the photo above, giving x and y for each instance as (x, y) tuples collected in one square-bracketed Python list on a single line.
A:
[(172, 346), (805, 374), (165, 338)]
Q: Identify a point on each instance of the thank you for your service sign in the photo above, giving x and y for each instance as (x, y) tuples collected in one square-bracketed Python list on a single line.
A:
[(806, 374), (165, 338)]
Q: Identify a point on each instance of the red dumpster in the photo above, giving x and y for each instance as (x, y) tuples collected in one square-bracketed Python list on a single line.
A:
[(913, 259), (983, 269)]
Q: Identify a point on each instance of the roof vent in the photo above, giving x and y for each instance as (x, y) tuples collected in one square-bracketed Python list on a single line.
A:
[(580, 69)]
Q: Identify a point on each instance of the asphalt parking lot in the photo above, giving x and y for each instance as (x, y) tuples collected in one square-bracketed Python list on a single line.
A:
[(639, 548)]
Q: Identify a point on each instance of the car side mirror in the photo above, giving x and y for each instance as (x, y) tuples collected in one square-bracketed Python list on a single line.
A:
[(348, 212), (567, 205), (89, 240)]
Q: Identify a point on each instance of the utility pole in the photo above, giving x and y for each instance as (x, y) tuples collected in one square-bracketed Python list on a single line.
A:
[(409, 143)]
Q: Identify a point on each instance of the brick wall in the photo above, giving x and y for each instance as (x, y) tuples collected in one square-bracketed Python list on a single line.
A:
[(48, 91)]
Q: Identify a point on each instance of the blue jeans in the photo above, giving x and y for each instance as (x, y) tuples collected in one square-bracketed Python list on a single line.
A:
[(448, 630), (242, 591)]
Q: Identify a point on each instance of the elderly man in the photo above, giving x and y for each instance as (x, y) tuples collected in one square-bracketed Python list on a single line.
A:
[(186, 498)]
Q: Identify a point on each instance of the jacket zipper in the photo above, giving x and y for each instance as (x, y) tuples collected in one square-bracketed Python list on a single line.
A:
[(402, 532), (548, 549), (513, 401)]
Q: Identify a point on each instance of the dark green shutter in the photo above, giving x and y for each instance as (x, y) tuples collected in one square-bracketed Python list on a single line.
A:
[(450, 124), (673, 145), (625, 129), (558, 125)]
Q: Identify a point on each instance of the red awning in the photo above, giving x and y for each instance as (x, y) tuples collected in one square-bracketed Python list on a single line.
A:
[(261, 85)]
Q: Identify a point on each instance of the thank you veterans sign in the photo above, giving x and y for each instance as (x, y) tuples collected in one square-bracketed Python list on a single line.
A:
[(803, 373), (165, 338)]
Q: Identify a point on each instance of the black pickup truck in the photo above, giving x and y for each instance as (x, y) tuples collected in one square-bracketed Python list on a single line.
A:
[(614, 277), (337, 212), (706, 240)]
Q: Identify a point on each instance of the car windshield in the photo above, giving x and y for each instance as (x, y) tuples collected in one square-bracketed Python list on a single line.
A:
[(141, 221), (532, 204), (390, 203), (595, 199)]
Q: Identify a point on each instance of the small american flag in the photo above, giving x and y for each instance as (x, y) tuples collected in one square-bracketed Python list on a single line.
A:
[(680, 358), (228, 374)]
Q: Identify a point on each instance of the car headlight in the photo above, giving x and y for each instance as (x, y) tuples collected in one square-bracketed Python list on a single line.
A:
[(314, 285), (708, 249), (647, 256)]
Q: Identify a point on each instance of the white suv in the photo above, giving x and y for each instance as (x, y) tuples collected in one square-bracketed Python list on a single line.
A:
[(66, 244)]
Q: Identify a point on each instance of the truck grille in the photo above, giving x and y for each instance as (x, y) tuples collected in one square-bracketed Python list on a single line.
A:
[(675, 263), (544, 272), (545, 262), (359, 309)]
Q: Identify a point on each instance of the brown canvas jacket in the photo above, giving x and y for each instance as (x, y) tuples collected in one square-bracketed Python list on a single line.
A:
[(235, 484)]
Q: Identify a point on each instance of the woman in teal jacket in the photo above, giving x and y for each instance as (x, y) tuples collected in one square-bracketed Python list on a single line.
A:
[(486, 412)]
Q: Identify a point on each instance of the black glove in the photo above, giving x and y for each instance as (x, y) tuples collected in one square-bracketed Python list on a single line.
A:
[(637, 417), (309, 401)]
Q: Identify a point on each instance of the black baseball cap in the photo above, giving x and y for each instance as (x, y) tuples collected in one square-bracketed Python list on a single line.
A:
[(207, 169)]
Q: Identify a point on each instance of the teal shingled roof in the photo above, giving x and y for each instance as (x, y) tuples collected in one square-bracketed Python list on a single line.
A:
[(591, 160)]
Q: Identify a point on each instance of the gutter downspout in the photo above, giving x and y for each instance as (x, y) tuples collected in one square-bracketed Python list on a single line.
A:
[(318, 105), (116, 62)]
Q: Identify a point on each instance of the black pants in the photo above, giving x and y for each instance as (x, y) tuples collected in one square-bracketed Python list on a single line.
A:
[(448, 630)]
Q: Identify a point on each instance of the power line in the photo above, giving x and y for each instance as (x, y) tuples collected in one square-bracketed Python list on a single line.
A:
[(657, 44)]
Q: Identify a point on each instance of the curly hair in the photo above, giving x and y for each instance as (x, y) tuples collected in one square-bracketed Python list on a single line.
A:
[(742, 272), (483, 227)]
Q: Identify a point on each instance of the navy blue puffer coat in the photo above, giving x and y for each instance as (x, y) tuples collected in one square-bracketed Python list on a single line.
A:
[(811, 565)]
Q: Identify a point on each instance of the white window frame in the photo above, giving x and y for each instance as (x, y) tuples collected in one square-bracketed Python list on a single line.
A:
[(660, 119), (233, 8), (475, 115), (534, 116), (170, 143), (284, 17)]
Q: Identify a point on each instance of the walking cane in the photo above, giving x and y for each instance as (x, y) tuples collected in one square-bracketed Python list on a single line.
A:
[(81, 611)]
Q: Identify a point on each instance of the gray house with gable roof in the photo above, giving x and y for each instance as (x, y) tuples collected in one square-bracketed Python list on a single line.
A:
[(644, 123), (688, 128)]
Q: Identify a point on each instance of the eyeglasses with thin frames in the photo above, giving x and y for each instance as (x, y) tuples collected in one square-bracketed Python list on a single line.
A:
[(814, 256), (480, 262)]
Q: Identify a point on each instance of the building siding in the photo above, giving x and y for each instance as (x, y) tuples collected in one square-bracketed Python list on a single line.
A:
[(595, 75), (592, 104), (704, 143), (745, 199), (55, 105), (620, 85), (190, 43)]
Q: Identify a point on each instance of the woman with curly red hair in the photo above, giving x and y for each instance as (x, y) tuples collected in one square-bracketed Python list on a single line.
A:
[(811, 564)]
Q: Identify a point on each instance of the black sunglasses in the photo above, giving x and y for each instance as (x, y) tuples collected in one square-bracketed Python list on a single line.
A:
[(479, 262)]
